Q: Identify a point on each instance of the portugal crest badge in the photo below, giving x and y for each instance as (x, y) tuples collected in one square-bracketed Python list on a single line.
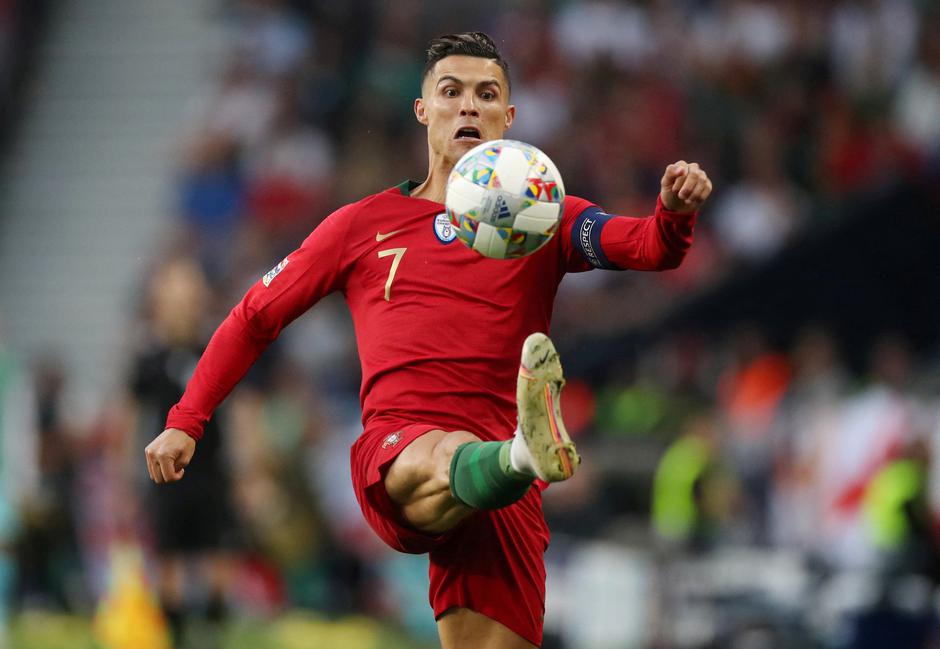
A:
[(391, 440)]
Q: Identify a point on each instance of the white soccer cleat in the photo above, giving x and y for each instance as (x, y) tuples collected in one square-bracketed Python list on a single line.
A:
[(538, 390)]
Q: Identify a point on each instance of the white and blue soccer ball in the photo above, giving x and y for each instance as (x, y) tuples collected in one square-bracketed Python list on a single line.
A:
[(505, 199)]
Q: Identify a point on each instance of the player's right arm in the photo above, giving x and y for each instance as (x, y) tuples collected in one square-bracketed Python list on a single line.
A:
[(309, 273)]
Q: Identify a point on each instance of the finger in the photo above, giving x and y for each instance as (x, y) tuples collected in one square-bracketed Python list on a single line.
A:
[(702, 192), (148, 454), (688, 187), (691, 169), (700, 179), (693, 177), (167, 469), (708, 189), (674, 172), (683, 188), (694, 199)]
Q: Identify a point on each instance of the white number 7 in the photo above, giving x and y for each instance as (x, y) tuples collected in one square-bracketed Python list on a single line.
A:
[(399, 253)]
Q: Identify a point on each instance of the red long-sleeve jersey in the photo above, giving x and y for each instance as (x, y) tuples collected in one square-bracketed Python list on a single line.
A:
[(438, 326)]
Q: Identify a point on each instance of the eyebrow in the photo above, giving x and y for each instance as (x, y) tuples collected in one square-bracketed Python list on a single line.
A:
[(450, 77)]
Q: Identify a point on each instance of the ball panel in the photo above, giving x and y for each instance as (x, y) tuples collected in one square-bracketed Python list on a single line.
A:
[(551, 171), (489, 241), (464, 227), (538, 217), (511, 170), (464, 196)]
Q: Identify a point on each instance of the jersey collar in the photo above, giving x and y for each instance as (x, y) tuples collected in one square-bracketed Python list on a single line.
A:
[(407, 187)]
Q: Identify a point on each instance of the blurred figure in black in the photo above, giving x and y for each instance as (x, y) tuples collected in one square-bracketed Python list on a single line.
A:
[(193, 520), (47, 550)]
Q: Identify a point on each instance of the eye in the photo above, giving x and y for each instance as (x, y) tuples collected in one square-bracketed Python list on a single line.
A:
[(488, 95), (450, 92)]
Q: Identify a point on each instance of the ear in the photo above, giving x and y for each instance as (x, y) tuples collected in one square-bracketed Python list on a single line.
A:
[(420, 111), (510, 115)]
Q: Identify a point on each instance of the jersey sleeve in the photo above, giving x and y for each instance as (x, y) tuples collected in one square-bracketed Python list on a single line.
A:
[(576, 253), (599, 240), (314, 270)]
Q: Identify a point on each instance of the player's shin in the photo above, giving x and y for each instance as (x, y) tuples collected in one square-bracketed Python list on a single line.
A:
[(482, 476)]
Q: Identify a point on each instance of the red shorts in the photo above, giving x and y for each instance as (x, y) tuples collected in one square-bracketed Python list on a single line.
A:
[(491, 563)]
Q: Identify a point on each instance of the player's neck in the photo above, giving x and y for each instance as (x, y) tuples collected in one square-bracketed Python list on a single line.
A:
[(435, 185)]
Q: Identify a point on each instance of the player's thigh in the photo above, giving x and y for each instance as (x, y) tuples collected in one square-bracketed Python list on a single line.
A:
[(460, 628), (422, 469), (418, 482)]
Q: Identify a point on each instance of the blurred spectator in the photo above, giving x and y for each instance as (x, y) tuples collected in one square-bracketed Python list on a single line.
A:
[(917, 104), (755, 217), (808, 413), (693, 494), (742, 32), (749, 395), (193, 519), (872, 43), (270, 430), (48, 546), (900, 525), (898, 514), (541, 75), (269, 35), (874, 426), (239, 108), (289, 176), (598, 29)]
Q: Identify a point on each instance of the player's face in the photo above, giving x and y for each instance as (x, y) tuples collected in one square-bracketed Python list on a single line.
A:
[(465, 101)]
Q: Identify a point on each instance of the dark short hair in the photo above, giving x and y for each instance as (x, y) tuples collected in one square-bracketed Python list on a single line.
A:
[(465, 44)]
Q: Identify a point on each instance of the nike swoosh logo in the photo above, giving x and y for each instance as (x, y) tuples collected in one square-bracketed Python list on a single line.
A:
[(382, 237)]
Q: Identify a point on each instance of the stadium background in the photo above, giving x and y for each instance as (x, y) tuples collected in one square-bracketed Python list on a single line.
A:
[(740, 417)]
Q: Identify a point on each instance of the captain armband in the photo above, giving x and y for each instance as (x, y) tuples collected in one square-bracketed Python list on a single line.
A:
[(586, 236)]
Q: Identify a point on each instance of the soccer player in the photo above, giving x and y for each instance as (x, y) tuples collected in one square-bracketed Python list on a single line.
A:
[(438, 467)]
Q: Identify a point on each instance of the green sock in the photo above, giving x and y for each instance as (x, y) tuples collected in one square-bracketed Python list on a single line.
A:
[(481, 476)]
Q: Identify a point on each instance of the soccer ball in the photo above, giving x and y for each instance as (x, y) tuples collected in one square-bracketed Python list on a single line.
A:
[(504, 199)]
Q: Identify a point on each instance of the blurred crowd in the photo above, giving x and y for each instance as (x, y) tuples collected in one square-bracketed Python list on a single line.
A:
[(793, 108), (695, 446)]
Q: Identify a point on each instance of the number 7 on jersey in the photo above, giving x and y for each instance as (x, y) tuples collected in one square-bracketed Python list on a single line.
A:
[(399, 253)]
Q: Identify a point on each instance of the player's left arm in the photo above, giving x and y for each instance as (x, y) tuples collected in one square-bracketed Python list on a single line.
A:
[(656, 242)]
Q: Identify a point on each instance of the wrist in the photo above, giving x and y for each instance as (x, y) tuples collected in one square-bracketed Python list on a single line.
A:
[(661, 206)]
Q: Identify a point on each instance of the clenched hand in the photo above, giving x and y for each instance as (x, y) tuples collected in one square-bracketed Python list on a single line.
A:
[(685, 186), (168, 455)]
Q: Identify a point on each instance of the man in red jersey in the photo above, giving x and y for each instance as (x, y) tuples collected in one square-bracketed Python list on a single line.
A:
[(438, 468)]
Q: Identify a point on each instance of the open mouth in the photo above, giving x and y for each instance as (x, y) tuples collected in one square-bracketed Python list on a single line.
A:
[(467, 132)]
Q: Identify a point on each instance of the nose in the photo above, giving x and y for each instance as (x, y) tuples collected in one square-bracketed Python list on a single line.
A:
[(468, 107)]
